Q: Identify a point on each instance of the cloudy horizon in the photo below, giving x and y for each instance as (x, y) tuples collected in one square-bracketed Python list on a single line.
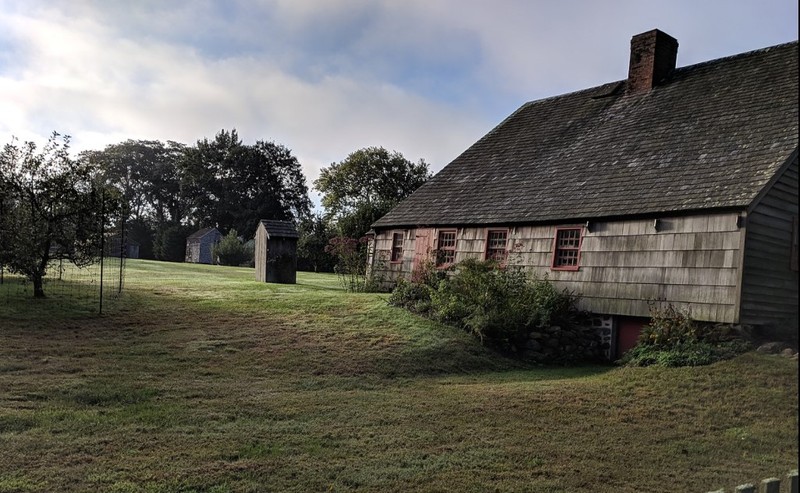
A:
[(424, 78)]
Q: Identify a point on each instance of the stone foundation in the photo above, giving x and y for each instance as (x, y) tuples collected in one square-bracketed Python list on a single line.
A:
[(604, 326)]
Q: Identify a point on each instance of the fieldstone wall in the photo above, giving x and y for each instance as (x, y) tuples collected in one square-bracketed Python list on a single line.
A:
[(556, 344)]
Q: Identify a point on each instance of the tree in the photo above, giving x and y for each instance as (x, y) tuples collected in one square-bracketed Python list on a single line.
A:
[(170, 242), (233, 185), (359, 190), (147, 175), (50, 209), (315, 233), (231, 251)]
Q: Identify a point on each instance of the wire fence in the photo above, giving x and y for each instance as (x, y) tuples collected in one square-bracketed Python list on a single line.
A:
[(70, 289)]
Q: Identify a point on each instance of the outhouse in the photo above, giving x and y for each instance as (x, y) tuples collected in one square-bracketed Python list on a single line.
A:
[(276, 252)]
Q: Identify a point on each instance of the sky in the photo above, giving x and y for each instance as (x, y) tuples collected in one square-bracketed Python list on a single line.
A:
[(426, 78)]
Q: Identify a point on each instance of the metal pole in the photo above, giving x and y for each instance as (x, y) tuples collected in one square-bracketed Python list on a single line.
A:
[(123, 250), (102, 243)]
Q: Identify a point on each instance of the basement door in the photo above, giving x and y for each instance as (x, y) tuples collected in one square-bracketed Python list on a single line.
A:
[(628, 331)]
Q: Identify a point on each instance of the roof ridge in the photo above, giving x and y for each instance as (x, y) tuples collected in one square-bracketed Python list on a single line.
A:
[(733, 57)]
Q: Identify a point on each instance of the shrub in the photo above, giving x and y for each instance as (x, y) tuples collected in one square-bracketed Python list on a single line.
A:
[(415, 295), (694, 353), (231, 251), (501, 307), (673, 339), (351, 261), (668, 327)]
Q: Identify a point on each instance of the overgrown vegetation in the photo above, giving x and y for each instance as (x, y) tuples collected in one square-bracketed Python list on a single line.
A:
[(503, 308), (350, 257), (672, 339)]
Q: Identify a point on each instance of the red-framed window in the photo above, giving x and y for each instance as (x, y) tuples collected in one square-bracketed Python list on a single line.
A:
[(397, 247), (446, 247), (567, 248), (496, 245)]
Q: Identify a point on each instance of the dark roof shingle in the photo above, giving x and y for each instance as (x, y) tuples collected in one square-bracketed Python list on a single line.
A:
[(710, 136), (280, 229), (200, 233)]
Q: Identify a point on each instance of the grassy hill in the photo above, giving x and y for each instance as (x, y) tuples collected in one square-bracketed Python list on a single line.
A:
[(200, 379)]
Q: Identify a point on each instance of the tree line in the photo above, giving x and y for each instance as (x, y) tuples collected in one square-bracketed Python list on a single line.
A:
[(167, 190)]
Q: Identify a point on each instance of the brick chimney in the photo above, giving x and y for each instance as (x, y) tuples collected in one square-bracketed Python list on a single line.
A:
[(653, 56)]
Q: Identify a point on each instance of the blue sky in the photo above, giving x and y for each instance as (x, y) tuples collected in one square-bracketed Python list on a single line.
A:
[(423, 77)]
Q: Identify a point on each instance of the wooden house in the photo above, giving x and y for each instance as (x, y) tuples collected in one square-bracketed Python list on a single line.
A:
[(676, 184), (276, 252), (200, 245)]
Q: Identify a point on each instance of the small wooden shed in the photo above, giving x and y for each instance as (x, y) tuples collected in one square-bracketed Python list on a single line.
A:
[(199, 245), (276, 252), (130, 250)]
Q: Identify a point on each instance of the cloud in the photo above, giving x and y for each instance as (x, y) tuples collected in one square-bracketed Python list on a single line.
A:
[(326, 78), (79, 76)]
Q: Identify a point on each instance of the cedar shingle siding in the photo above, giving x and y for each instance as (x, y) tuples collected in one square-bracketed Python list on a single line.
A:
[(683, 192)]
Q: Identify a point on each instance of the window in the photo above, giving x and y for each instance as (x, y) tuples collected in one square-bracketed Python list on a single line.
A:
[(496, 241), (397, 247), (567, 249), (446, 248)]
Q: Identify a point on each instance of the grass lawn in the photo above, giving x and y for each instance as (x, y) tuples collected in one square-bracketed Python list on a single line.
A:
[(201, 379)]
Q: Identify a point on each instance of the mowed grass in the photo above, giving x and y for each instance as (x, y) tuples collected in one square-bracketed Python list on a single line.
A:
[(201, 379)]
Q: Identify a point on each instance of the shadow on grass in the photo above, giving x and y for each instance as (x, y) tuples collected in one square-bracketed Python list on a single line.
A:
[(63, 299), (467, 359)]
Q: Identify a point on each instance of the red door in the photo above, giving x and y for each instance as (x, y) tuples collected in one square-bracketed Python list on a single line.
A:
[(628, 331)]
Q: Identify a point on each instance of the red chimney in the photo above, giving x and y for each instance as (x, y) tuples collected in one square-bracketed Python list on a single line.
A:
[(653, 56)]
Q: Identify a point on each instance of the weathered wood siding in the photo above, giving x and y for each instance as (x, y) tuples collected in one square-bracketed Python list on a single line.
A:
[(260, 254), (691, 261), (282, 260), (769, 284), (275, 258), (200, 250)]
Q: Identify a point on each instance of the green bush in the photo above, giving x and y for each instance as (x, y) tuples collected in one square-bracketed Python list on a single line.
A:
[(693, 353), (669, 327), (673, 339), (499, 306), (415, 295), (411, 296), (231, 251)]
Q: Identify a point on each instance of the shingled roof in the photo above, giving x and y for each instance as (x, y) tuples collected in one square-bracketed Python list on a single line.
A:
[(709, 136), (280, 229), (200, 233)]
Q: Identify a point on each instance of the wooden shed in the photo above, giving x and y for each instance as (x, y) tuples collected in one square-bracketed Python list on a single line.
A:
[(675, 184), (199, 245), (276, 252), (114, 247)]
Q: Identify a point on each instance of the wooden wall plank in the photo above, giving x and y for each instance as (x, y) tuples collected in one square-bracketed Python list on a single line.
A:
[(769, 285), (690, 260)]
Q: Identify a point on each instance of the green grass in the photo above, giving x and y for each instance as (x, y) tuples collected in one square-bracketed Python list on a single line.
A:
[(200, 379)]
